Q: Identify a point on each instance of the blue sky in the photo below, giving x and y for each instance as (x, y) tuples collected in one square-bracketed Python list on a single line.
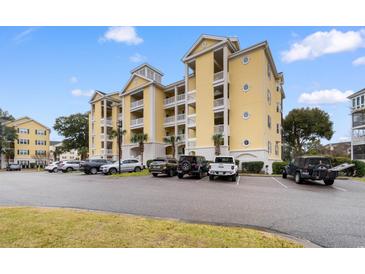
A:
[(48, 72)]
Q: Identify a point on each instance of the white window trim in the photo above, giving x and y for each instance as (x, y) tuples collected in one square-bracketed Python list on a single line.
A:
[(248, 87), (243, 59), (248, 116), (243, 143)]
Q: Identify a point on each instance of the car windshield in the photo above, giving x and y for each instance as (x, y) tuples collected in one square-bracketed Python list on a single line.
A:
[(224, 160), (318, 161), (191, 159), (158, 161)]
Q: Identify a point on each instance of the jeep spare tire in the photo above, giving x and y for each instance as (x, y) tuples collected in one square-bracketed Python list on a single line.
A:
[(185, 166)]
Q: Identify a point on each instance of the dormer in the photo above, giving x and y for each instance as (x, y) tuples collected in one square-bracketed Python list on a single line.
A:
[(149, 72)]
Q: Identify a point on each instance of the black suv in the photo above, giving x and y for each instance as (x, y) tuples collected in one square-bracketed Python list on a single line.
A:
[(93, 166), (311, 167), (166, 166), (192, 165)]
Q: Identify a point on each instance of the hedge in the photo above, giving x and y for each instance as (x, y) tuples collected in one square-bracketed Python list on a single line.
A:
[(359, 168), (252, 167), (339, 160), (278, 167)]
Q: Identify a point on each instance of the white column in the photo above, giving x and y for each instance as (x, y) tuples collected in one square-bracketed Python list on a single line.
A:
[(225, 95), (152, 114), (175, 111), (186, 105), (105, 128)]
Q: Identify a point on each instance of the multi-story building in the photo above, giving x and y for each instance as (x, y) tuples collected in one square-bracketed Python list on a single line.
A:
[(358, 125), (32, 146), (225, 89), (73, 154)]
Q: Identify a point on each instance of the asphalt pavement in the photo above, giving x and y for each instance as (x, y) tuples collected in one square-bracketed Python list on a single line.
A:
[(329, 216)]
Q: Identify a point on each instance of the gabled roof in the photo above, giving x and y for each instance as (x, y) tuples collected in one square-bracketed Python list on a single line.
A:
[(132, 77), (103, 95), (149, 66), (221, 39), (26, 119), (356, 93)]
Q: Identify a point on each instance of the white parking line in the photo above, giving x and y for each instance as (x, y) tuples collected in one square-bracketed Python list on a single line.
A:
[(238, 180), (339, 188), (276, 180)]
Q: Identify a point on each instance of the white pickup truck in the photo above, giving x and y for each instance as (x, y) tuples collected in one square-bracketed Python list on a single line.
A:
[(223, 166)]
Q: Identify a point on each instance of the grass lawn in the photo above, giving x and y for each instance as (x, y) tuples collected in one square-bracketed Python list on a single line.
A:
[(360, 179), (38, 227), (144, 172)]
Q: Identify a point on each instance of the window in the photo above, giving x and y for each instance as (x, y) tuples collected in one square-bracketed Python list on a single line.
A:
[(277, 88), (358, 101), (40, 142), (246, 115), (23, 152), (269, 147), (245, 60), (269, 121), (23, 130), (276, 149), (353, 102), (278, 107), (277, 128), (269, 97), (40, 132), (40, 152), (246, 87), (23, 141), (246, 142), (362, 100)]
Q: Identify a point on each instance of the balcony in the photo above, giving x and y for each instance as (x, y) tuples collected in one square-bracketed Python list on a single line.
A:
[(218, 76), (136, 122), (191, 97), (191, 121), (180, 117), (192, 143), (120, 116), (107, 121), (136, 104), (169, 101), (181, 98), (358, 140), (218, 129), (106, 151), (182, 137), (219, 102), (170, 120)]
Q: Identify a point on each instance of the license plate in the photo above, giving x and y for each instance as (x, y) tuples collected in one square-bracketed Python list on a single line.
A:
[(221, 166)]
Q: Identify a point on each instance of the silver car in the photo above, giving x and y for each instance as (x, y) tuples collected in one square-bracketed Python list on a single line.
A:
[(68, 166), (129, 165)]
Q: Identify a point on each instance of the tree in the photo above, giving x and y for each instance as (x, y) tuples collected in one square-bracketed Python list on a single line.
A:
[(75, 129), (7, 136), (218, 141), (114, 134), (57, 152), (140, 138), (304, 127), (172, 140)]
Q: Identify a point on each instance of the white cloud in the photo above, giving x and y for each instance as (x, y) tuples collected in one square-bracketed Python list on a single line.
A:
[(79, 92), (326, 96), (73, 80), (344, 139), (324, 42), (359, 61), (137, 58), (126, 35), (20, 37)]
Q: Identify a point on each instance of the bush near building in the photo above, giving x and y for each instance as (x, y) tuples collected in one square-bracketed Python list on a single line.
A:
[(339, 160), (278, 167), (359, 168), (252, 167)]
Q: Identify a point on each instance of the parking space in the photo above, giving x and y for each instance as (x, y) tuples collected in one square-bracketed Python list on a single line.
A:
[(330, 216)]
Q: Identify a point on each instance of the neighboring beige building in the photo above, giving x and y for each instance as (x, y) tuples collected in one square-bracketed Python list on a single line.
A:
[(66, 156), (228, 90), (32, 146)]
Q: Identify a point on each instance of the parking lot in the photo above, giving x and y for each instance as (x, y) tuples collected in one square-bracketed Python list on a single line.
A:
[(330, 216)]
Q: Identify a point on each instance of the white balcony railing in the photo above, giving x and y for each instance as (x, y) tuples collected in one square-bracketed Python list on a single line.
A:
[(137, 104), (180, 117), (218, 76), (106, 151), (170, 119), (192, 143), (136, 122), (191, 97), (182, 137), (102, 136), (218, 129), (109, 151), (219, 102), (191, 120), (358, 140), (108, 121), (169, 101), (181, 97)]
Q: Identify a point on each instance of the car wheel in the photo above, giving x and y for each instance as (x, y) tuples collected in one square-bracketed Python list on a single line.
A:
[(154, 174), (329, 182), (298, 178), (199, 175), (137, 169), (180, 175), (69, 169), (211, 177), (284, 175), (93, 171), (113, 171), (171, 173), (233, 178)]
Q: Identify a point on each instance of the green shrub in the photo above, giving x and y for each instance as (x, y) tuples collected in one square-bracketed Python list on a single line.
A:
[(252, 167), (278, 167), (339, 160), (359, 168)]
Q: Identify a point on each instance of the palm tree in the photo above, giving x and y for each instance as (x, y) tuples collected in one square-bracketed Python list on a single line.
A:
[(218, 140), (114, 134), (140, 138), (172, 140)]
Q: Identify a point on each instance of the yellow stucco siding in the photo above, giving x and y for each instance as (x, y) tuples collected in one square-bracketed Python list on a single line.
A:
[(192, 83), (204, 44), (252, 101), (135, 82), (147, 103), (159, 114), (204, 100), (127, 119)]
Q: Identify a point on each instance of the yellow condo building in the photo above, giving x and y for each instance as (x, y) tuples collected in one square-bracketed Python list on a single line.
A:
[(228, 90), (32, 146)]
